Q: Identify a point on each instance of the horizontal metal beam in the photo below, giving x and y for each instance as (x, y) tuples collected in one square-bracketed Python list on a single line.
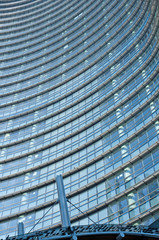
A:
[(93, 230)]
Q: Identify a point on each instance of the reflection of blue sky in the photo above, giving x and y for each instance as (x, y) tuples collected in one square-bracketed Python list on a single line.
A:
[(78, 98)]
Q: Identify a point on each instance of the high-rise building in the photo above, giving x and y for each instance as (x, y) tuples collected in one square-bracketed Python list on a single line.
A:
[(79, 97)]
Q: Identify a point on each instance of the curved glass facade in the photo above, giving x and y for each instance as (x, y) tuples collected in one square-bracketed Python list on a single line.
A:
[(79, 97)]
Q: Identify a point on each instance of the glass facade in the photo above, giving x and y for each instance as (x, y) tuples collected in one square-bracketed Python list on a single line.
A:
[(79, 88)]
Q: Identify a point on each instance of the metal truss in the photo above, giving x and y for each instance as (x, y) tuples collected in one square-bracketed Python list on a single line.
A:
[(117, 232)]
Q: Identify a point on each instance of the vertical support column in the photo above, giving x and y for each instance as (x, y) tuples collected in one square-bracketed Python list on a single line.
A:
[(21, 228), (63, 203), (120, 236)]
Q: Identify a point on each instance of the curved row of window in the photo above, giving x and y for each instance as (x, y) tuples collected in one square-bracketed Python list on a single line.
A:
[(141, 119), (142, 95), (11, 5), (122, 152), (75, 41), (134, 202), (119, 182), (54, 29), (79, 97), (49, 95), (51, 120), (127, 208), (111, 118), (108, 87), (41, 11)]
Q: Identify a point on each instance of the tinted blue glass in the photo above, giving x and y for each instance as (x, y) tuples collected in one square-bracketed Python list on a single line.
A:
[(78, 97)]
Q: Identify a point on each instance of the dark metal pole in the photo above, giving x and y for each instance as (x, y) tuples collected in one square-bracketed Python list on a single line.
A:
[(120, 236), (63, 203), (21, 228)]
